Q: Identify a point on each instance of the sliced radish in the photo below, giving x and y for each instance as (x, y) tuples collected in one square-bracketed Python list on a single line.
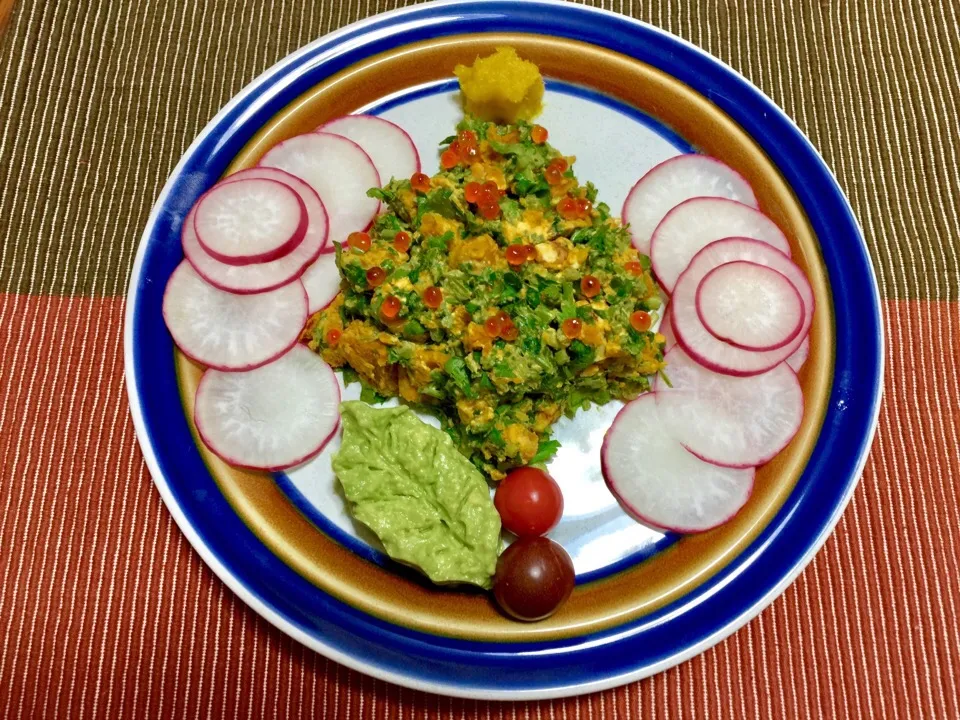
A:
[(322, 282), (252, 220), (388, 145), (731, 421), (227, 331), (798, 358), (751, 306), (666, 329), (670, 183), (695, 223), (341, 173), (271, 418), (260, 277), (699, 342), (660, 482)]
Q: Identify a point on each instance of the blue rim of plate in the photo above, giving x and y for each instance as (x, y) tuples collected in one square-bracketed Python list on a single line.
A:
[(587, 663)]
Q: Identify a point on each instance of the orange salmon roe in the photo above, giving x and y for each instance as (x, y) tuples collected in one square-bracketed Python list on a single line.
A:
[(333, 336), (489, 193), (449, 159), (420, 182), (633, 267), (432, 297), (590, 286), (467, 143), (584, 206), (359, 241), (641, 321), (516, 254), (490, 211), (493, 326), (375, 276), (509, 332), (401, 241), (567, 208), (555, 170), (471, 192), (571, 327), (539, 134), (390, 307)]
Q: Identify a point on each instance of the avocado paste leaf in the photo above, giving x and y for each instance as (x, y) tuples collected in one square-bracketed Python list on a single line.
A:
[(428, 504)]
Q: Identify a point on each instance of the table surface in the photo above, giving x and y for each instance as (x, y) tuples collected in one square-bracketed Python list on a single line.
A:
[(105, 611)]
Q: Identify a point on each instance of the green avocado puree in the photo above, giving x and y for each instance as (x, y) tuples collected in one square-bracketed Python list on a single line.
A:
[(427, 503)]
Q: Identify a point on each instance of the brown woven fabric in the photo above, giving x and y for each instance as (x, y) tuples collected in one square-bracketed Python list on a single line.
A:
[(105, 611)]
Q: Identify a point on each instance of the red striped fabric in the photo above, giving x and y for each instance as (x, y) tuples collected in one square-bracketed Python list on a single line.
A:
[(105, 611)]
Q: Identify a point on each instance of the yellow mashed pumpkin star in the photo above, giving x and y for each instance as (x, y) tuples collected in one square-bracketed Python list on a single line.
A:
[(502, 87)]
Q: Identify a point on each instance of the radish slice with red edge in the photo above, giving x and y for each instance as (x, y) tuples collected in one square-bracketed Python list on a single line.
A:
[(699, 342), (322, 282), (662, 484), (261, 277), (695, 223), (271, 418), (251, 220), (228, 331), (671, 182), (736, 422), (388, 145), (751, 306), (340, 172), (798, 358)]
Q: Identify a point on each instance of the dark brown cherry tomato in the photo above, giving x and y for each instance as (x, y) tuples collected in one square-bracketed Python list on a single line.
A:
[(534, 576), (529, 502)]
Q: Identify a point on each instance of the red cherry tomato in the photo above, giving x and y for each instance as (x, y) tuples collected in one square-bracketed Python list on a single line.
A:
[(534, 576), (529, 502)]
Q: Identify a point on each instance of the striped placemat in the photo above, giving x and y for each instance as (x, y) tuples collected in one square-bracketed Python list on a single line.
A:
[(105, 611)]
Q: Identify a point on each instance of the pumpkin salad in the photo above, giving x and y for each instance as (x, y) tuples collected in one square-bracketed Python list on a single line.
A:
[(498, 294)]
